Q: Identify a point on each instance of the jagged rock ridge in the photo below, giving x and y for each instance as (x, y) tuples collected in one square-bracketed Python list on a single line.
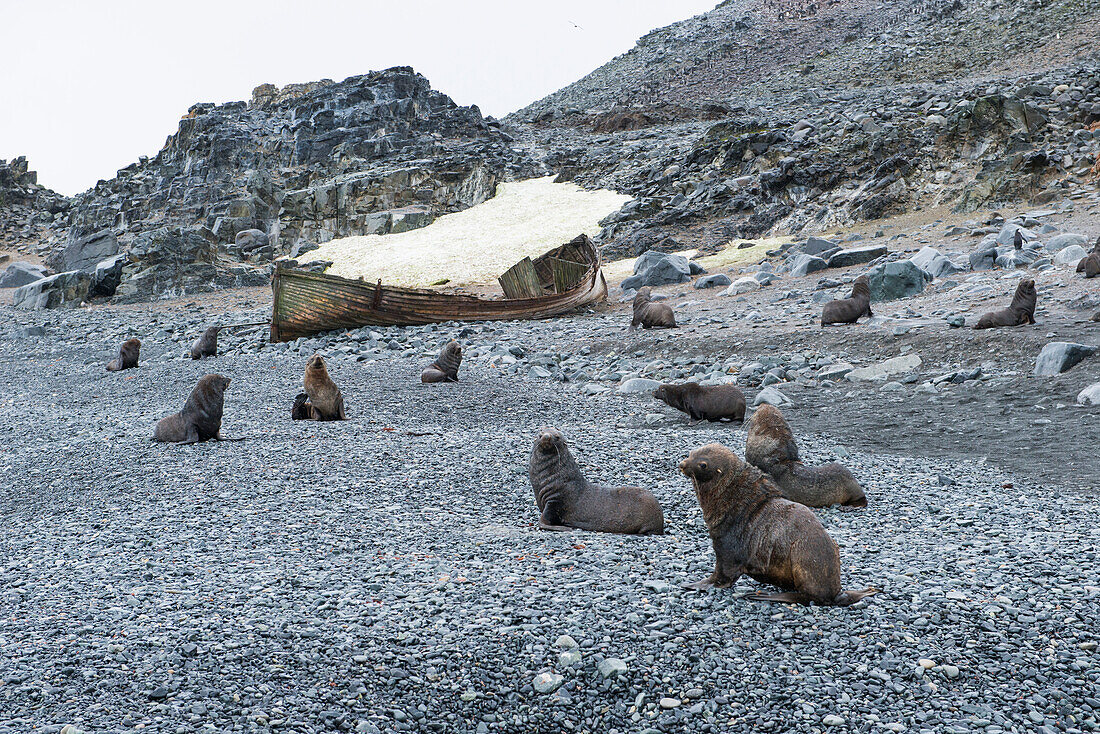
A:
[(371, 154)]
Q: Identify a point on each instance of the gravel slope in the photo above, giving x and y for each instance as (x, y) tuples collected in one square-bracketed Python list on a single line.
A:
[(384, 574)]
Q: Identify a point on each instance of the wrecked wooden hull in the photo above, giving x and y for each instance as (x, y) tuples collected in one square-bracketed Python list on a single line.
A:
[(308, 303)]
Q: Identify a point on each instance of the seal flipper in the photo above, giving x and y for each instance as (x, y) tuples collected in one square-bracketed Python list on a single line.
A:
[(786, 597), (846, 598), (551, 518), (301, 409), (843, 599), (717, 580)]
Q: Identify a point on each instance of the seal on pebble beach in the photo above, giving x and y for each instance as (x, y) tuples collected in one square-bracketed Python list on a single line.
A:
[(1090, 264), (207, 344), (649, 314), (713, 403), (1021, 311), (848, 310), (756, 531), (322, 400), (127, 356), (567, 500), (445, 367), (201, 417), (770, 447)]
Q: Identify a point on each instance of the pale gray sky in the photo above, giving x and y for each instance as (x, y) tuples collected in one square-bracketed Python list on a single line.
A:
[(89, 85)]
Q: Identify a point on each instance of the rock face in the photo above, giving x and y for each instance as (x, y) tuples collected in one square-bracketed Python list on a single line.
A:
[(27, 209), (241, 183), (733, 123)]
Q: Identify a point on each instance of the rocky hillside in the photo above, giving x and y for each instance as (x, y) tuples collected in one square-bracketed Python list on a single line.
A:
[(799, 117), (241, 183), (27, 209)]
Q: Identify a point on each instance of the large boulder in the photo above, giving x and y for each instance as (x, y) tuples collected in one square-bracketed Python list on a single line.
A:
[(1070, 255), (107, 275), (712, 281), (1090, 395), (857, 256), (22, 273), (658, 268), (984, 257), (1062, 241), (891, 281), (1057, 357), (1010, 258), (803, 264), (83, 253), (1007, 236), (935, 263), (816, 246), (250, 239), (743, 285), (64, 290), (902, 365)]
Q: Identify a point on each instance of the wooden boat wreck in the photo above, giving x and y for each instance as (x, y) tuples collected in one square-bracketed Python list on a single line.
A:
[(559, 281)]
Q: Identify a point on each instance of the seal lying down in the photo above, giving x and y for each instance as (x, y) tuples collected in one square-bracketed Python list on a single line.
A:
[(567, 500), (756, 532)]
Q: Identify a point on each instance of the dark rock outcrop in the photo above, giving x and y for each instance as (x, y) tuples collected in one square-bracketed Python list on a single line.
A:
[(240, 184)]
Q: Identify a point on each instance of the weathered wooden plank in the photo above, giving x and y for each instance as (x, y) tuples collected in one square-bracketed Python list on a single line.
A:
[(521, 281), (567, 274)]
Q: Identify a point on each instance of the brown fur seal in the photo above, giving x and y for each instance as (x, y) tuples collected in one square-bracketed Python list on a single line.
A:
[(848, 310), (127, 356), (1090, 264), (207, 344), (755, 531), (651, 315), (445, 366), (1021, 311), (713, 403), (322, 400), (567, 500), (201, 417), (770, 447)]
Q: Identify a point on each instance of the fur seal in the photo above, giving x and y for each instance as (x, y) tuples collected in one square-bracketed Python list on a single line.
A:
[(1090, 264), (127, 356), (713, 403), (1021, 311), (651, 315), (848, 310), (567, 500), (322, 400), (755, 531), (445, 366), (770, 447), (201, 417), (207, 344)]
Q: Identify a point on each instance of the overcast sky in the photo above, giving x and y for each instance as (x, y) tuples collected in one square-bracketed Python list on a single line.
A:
[(89, 85)]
